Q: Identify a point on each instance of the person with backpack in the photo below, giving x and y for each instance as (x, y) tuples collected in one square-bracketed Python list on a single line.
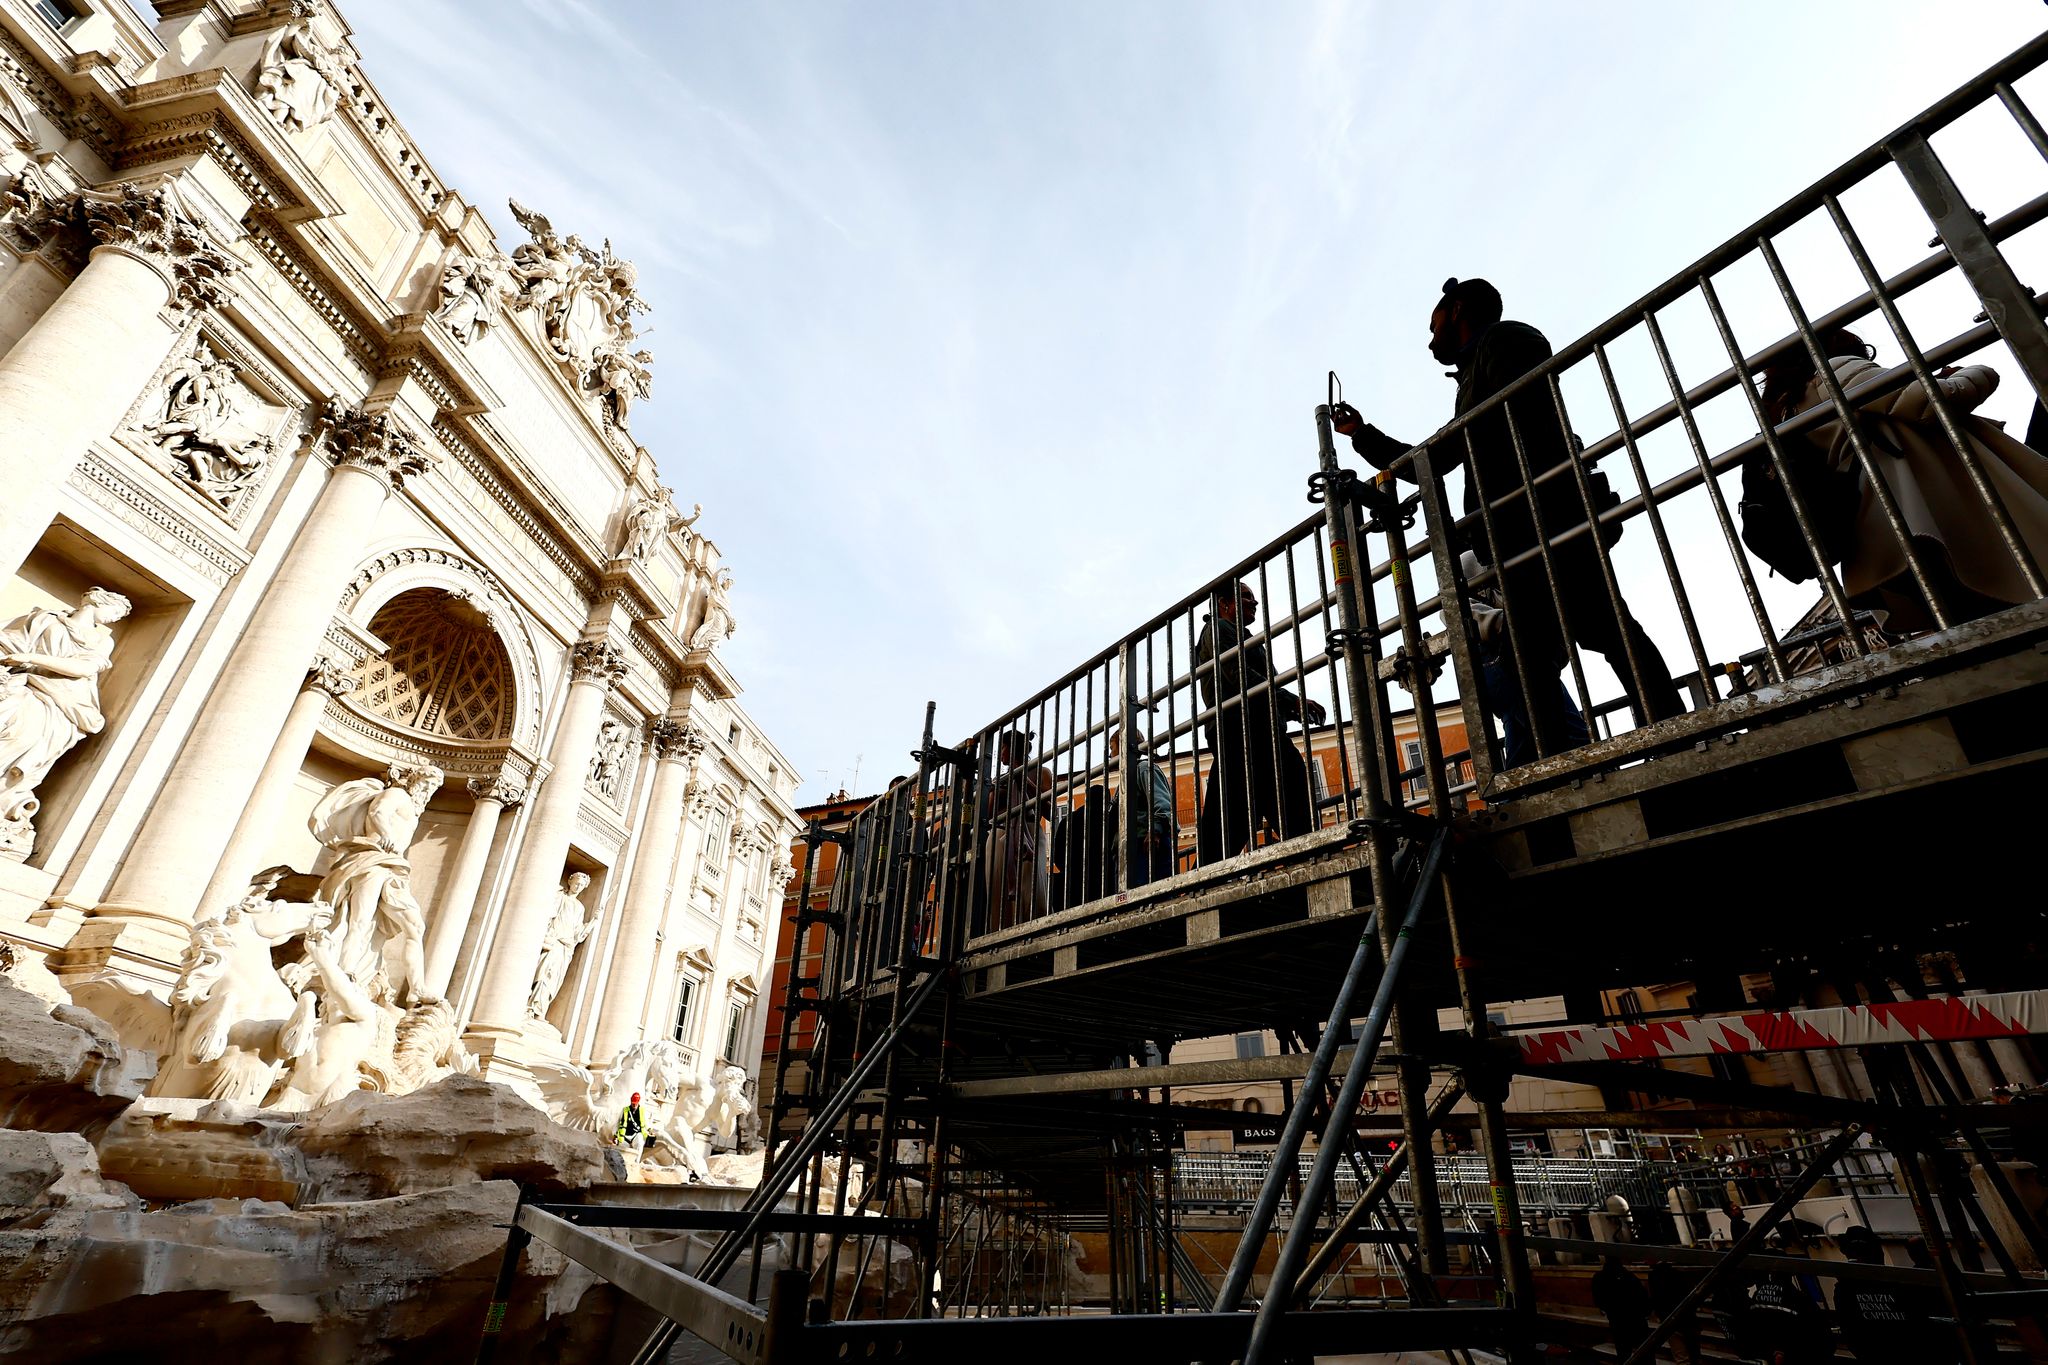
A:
[(1952, 530), (1621, 1298), (1782, 1326), (1888, 1324), (1668, 1287), (1467, 332)]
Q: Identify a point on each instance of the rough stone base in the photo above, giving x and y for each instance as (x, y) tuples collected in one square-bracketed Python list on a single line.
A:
[(403, 1279)]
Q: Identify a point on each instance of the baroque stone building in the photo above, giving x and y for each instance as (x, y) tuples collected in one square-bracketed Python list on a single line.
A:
[(401, 656)]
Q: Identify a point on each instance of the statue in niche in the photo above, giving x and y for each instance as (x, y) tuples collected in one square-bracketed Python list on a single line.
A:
[(50, 666), (197, 425), (650, 518), (717, 626), (368, 824), (566, 933), (297, 78), (471, 290), (609, 761)]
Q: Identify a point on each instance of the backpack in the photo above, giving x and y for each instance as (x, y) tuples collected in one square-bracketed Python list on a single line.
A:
[(1770, 529)]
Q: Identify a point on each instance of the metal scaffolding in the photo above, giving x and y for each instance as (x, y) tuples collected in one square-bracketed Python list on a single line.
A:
[(1223, 823)]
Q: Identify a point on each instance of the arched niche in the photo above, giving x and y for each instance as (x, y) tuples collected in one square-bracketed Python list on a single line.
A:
[(405, 570), (443, 668)]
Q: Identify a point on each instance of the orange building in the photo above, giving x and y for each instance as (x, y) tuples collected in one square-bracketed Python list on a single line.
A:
[(834, 813)]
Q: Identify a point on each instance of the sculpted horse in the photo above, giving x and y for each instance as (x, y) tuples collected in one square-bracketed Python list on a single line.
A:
[(233, 1023)]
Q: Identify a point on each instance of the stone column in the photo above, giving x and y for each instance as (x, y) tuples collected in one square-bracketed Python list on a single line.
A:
[(536, 881), (148, 264), (179, 846), (259, 818), (634, 950), (466, 878)]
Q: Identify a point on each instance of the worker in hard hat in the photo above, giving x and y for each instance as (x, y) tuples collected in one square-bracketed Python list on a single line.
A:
[(632, 1133)]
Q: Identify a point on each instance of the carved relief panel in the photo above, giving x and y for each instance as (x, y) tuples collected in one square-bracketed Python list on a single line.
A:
[(215, 419)]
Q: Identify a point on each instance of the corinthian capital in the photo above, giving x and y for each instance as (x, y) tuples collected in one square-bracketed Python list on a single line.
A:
[(148, 222), (497, 788), (674, 739), (596, 661), (330, 678), (373, 441)]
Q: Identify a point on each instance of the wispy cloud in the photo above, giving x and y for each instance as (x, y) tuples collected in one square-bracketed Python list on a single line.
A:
[(984, 329)]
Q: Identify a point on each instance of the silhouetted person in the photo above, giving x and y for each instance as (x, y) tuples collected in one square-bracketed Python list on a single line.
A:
[(1782, 1326), (1668, 1287), (1151, 819), (1888, 1324), (1087, 857), (1255, 774), (1621, 1297), (1466, 331), (1019, 872), (1953, 531)]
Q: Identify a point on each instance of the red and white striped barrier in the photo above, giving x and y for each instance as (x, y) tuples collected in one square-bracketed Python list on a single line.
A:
[(1941, 1020)]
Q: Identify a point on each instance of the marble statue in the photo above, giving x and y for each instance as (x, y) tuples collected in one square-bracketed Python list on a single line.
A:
[(681, 1138), (729, 1104), (367, 825), (427, 1045), (717, 626), (608, 760), (653, 1068), (50, 666), (618, 377), (327, 1053), (471, 291), (238, 1027), (196, 422), (232, 1022), (585, 300), (565, 934), (651, 517), (297, 78)]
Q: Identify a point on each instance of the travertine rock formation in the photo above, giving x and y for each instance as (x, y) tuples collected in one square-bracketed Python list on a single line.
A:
[(457, 1131), (62, 1069), (40, 1172), (404, 1279)]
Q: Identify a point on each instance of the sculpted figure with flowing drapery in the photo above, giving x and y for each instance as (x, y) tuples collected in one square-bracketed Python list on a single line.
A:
[(50, 666), (368, 824)]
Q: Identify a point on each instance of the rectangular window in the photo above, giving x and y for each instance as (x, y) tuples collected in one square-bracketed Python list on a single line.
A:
[(1251, 1045), (58, 13), (686, 1000), (714, 843), (1411, 761), (735, 1029)]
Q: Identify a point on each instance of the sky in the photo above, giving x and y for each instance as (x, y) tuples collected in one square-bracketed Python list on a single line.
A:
[(985, 330)]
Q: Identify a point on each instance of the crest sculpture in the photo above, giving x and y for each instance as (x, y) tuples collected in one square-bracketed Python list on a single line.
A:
[(586, 301)]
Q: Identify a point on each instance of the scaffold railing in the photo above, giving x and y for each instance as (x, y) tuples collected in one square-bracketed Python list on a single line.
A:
[(1290, 718)]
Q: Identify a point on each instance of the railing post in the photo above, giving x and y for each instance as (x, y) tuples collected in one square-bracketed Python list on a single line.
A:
[(516, 1238), (2007, 303), (1127, 794), (1359, 645), (1488, 1086), (1455, 605)]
